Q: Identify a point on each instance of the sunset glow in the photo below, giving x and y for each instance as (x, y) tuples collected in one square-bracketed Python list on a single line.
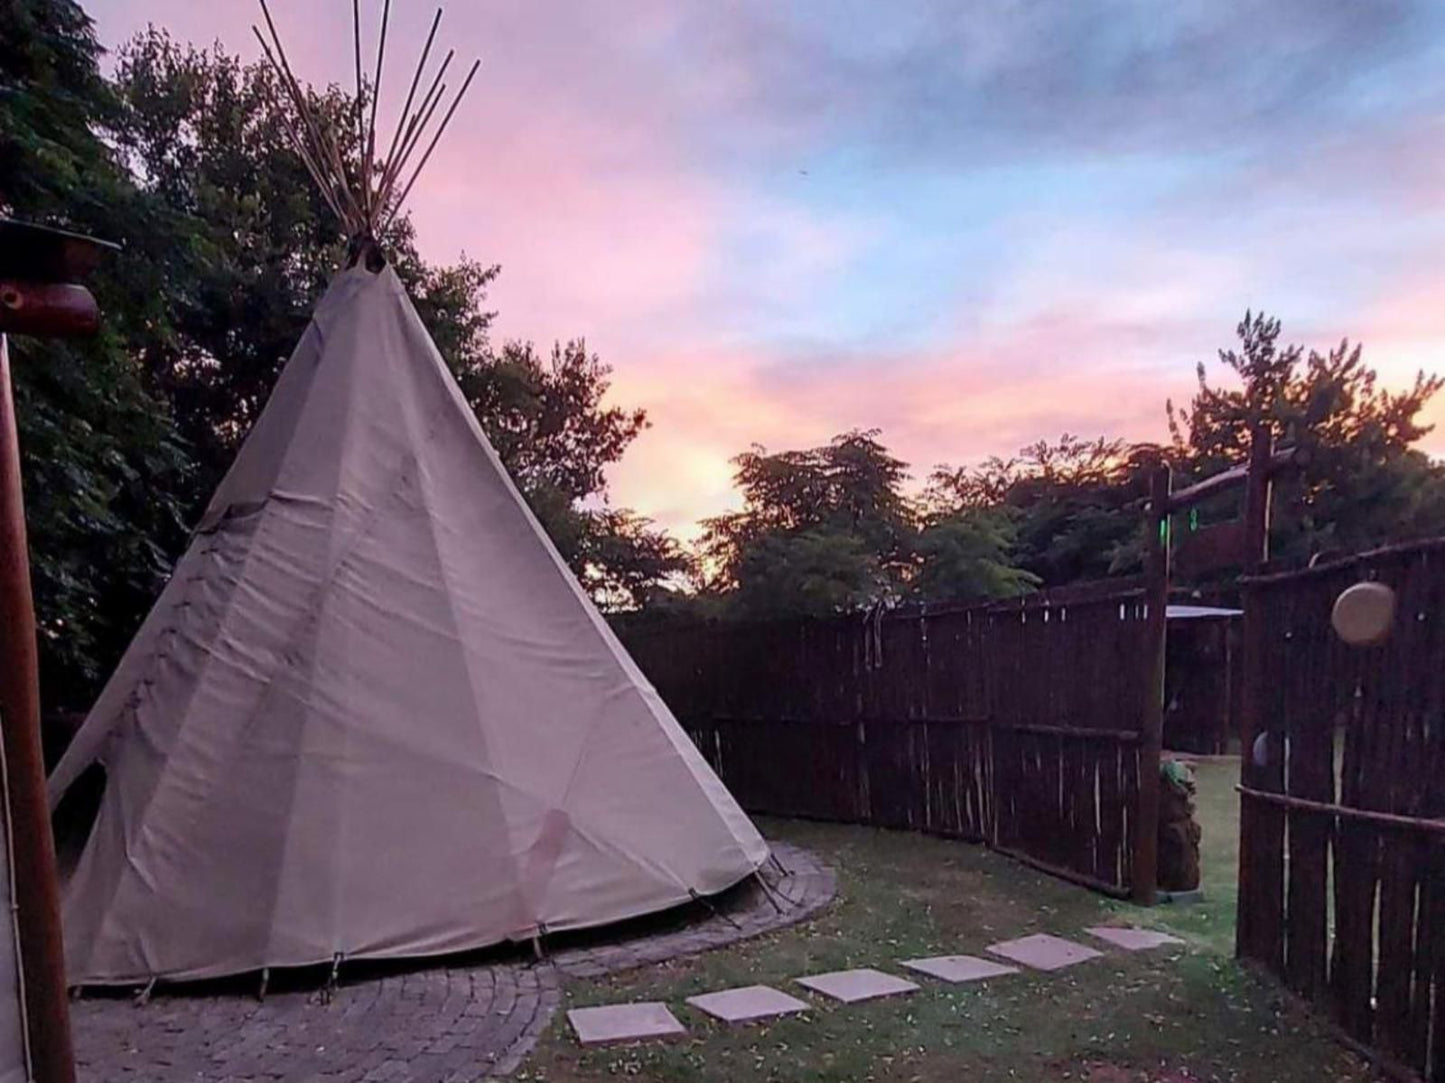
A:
[(970, 228)]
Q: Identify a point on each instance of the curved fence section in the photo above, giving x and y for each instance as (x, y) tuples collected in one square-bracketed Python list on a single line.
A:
[(1016, 724)]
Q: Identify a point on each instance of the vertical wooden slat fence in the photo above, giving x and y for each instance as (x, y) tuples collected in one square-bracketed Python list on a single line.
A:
[(1016, 724), (1343, 852)]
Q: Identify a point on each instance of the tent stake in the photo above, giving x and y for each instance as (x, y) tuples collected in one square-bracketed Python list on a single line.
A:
[(767, 891), (265, 981), (715, 911), (144, 996), (332, 980)]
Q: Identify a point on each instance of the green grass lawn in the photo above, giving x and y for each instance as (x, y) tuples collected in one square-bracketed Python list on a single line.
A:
[(1155, 1016)]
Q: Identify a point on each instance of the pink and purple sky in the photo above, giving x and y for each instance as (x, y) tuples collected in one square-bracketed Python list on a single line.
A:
[(971, 226)]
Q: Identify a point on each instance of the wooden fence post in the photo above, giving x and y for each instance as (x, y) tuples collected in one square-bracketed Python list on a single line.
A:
[(1257, 909), (1151, 735)]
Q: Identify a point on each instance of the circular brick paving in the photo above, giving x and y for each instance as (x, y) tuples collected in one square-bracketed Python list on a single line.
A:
[(442, 1023)]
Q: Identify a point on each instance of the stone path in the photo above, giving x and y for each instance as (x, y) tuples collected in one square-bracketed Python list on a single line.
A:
[(1041, 951), (440, 1024)]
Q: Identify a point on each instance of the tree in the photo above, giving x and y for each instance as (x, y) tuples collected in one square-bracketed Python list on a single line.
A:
[(830, 529), (625, 562), (968, 555), (1071, 504), (1363, 483), (814, 573), (548, 423), (823, 529), (104, 470)]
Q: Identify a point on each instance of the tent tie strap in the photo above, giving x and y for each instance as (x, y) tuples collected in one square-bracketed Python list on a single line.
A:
[(715, 911), (328, 991)]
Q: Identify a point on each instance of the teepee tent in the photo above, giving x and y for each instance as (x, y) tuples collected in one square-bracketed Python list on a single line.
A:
[(372, 713)]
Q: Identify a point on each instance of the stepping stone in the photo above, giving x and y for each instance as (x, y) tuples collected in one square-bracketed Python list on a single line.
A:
[(747, 1004), (623, 1023), (1044, 952), (959, 967), (1133, 939), (851, 986)]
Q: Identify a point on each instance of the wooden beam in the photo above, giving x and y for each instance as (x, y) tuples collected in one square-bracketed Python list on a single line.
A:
[(1122, 737), (1063, 873), (46, 254), (1228, 479), (49, 309), (35, 891), (1430, 825)]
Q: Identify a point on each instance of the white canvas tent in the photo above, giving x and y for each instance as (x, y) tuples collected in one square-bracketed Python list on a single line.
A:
[(373, 714)]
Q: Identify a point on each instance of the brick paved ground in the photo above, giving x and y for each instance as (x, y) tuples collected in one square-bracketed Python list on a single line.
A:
[(443, 1023)]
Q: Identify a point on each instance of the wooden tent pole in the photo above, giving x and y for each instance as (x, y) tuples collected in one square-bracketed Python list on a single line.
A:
[(35, 891), (406, 109)]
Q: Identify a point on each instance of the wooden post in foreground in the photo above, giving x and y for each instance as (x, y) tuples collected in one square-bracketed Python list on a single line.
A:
[(1255, 905), (35, 890), (1151, 731), (39, 295)]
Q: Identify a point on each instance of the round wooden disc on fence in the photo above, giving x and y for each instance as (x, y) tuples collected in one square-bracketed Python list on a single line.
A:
[(1363, 613)]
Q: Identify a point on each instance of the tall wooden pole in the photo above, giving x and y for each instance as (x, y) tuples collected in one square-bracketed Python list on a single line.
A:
[(1257, 905), (1151, 735), (35, 892)]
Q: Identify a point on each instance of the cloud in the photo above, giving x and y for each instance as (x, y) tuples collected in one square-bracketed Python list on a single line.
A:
[(971, 226), (1058, 371), (971, 83)]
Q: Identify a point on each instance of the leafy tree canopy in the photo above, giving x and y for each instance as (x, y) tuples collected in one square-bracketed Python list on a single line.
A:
[(106, 475), (970, 554), (1364, 482), (830, 529), (1072, 504)]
